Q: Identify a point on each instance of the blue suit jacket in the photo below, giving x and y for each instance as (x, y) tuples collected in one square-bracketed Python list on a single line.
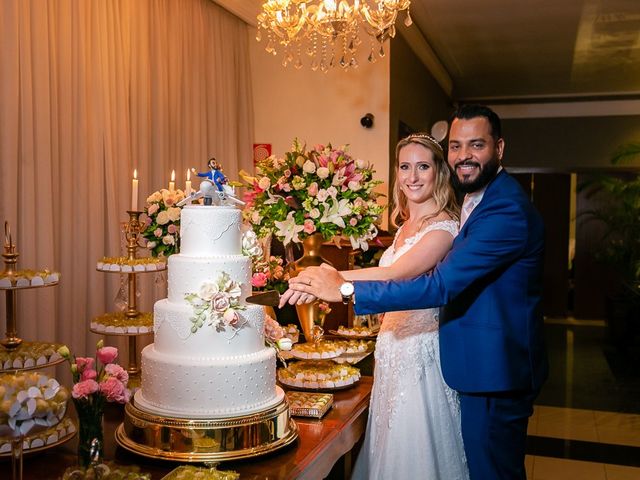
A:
[(490, 285)]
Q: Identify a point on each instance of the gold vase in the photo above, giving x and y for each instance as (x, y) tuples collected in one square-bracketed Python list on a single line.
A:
[(309, 314)]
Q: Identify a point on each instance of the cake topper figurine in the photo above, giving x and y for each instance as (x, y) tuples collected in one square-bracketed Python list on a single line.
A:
[(215, 188)]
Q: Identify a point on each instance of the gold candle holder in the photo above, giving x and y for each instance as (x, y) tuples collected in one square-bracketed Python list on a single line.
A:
[(10, 257), (132, 233)]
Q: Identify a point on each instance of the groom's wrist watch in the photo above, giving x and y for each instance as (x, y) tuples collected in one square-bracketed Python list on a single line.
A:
[(347, 290)]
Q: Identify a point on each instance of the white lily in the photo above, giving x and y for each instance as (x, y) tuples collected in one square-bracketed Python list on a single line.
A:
[(336, 212), (288, 229)]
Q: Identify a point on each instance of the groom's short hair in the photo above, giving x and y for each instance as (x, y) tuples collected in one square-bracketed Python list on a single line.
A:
[(467, 112)]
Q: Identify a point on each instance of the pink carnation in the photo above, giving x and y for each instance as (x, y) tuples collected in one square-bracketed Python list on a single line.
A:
[(259, 280), (114, 390), (107, 354), (88, 374), (84, 363), (117, 371), (84, 389)]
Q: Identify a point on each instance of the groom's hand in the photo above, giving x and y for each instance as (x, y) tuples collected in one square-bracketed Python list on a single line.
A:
[(322, 282)]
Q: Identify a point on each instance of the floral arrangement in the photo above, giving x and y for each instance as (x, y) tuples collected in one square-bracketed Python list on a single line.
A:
[(270, 275), (162, 222), (30, 399), (99, 379), (320, 190), (95, 381), (217, 303)]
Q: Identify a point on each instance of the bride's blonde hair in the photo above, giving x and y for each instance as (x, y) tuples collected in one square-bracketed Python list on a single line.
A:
[(443, 194)]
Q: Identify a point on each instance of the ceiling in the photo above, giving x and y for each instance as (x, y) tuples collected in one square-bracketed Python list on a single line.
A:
[(522, 50)]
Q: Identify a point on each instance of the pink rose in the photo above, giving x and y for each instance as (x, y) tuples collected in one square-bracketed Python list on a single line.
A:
[(220, 302), (114, 390), (107, 354), (84, 389), (89, 374), (259, 280), (172, 228), (169, 201), (157, 232), (117, 371), (353, 222), (153, 208), (309, 226), (84, 363), (147, 222), (230, 317), (272, 329), (313, 189)]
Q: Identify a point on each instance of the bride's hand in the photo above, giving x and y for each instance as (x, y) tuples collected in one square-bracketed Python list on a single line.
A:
[(294, 297)]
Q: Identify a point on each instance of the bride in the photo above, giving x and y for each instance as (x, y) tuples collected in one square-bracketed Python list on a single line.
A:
[(413, 429)]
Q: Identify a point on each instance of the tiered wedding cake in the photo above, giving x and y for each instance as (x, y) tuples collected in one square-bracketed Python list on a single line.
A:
[(208, 363)]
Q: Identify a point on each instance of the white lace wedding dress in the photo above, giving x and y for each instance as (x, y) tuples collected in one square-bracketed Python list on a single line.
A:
[(414, 417)]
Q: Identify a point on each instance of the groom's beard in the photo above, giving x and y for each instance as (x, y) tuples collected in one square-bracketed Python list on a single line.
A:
[(485, 175)]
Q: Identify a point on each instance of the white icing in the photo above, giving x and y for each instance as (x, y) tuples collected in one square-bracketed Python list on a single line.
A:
[(207, 386), (210, 231), (207, 373), (172, 329), (187, 274)]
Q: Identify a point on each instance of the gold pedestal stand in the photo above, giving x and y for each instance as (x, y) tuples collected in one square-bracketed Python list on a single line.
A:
[(206, 440), (133, 229)]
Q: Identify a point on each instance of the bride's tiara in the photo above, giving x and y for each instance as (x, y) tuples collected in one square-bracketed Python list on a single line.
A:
[(427, 137)]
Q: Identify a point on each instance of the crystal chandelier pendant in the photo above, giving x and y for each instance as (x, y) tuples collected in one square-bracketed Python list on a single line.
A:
[(297, 24)]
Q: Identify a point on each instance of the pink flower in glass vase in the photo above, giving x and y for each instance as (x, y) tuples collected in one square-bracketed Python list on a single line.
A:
[(84, 363), (114, 390), (88, 374), (84, 389), (117, 371), (107, 355)]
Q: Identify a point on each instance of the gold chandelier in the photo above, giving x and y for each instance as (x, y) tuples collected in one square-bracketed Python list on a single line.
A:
[(328, 31)]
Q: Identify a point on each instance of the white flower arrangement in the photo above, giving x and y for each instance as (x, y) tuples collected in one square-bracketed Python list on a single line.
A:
[(217, 303), (31, 399)]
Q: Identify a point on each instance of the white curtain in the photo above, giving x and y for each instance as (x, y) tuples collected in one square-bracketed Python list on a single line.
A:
[(90, 90)]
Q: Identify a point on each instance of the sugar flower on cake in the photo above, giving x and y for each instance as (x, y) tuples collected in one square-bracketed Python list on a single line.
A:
[(217, 304), (318, 190), (161, 222), (250, 244)]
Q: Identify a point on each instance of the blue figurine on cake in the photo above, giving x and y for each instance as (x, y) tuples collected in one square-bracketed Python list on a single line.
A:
[(214, 187)]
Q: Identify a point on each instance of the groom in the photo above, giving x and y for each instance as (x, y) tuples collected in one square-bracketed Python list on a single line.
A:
[(489, 285)]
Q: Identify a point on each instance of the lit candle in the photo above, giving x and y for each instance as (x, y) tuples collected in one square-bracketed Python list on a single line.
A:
[(187, 188), (134, 191), (172, 183)]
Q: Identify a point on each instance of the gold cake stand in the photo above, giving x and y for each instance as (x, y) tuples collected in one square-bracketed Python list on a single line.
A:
[(206, 440)]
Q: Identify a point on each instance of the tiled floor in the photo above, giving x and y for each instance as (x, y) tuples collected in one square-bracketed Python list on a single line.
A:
[(567, 440)]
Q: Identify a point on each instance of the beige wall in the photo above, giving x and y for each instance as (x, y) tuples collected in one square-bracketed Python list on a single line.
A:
[(322, 107)]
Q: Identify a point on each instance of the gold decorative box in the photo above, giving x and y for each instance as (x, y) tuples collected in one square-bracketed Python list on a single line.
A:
[(303, 404)]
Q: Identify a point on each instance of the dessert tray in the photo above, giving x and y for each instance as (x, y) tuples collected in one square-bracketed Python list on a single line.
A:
[(117, 323), (310, 375), (28, 279), (355, 332), (129, 265), (323, 350), (304, 404), (52, 436), (29, 356)]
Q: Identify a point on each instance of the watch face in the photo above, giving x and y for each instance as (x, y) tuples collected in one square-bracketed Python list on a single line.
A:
[(346, 289)]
